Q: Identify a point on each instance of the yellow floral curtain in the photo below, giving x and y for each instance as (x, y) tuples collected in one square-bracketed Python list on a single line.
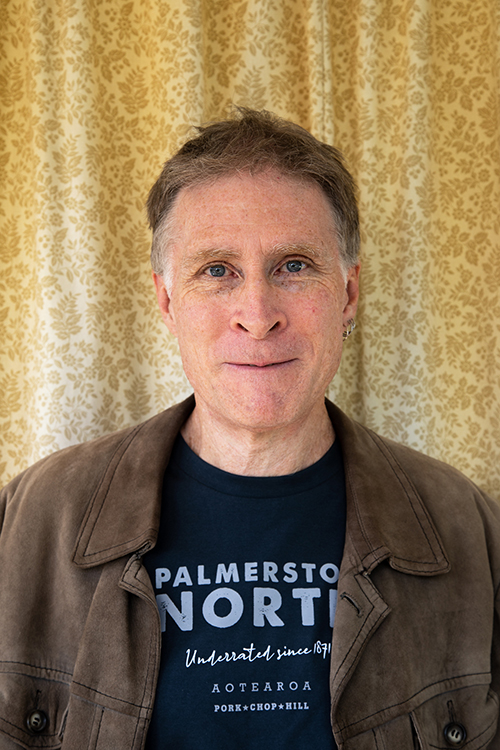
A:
[(95, 94)]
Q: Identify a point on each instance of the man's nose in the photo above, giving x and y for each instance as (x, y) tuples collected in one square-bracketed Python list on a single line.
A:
[(257, 309)]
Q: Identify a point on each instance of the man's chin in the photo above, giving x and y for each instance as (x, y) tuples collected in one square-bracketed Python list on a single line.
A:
[(259, 414), (266, 405)]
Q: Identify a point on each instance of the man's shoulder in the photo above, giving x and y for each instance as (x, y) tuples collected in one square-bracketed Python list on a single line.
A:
[(78, 469), (432, 477), (424, 513), (366, 451)]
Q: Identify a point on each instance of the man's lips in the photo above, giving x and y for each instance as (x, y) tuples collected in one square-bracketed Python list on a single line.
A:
[(260, 365)]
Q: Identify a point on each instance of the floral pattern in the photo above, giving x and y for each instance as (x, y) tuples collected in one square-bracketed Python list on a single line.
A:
[(95, 94)]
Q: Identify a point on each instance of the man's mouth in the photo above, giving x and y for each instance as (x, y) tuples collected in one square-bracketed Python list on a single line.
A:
[(261, 365)]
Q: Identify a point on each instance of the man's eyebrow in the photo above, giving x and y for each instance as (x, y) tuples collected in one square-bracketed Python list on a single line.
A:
[(208, 254), (297, 249)]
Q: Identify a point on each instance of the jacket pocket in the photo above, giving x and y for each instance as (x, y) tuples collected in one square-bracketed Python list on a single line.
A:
[(464, 718), (92, 726), (397, 734), (33, 705)]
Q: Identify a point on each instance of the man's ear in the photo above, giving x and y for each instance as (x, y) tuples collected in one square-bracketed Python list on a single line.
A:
[(352, 293), (164, 303)]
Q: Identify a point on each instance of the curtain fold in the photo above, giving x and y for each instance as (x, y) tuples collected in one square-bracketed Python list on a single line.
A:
[(96, 94)]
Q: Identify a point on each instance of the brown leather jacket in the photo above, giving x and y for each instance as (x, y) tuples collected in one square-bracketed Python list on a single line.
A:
[(413, 665)]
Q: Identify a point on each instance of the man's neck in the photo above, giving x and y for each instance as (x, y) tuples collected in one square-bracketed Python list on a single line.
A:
[(248, 452)]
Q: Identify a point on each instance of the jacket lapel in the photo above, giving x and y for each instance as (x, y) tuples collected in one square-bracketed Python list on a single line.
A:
[(386, 521), (124, 513), (386, 516)]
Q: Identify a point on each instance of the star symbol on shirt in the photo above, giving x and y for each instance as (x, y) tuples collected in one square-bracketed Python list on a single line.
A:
[(281, 705), (245, 708)]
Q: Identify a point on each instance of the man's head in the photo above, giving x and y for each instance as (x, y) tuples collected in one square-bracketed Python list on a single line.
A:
[(257, 291), (254, 142)]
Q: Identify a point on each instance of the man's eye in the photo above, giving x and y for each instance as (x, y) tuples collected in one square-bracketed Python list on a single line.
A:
[(217, 271), (294, 266)]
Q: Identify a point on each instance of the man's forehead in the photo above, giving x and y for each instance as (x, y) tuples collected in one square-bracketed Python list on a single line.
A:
[(232, 182), (237, 202)]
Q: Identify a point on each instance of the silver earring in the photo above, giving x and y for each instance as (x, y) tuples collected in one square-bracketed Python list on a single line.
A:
[(351, 325)]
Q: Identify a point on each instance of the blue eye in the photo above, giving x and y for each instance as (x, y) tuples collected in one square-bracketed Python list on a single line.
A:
[(217, 270), (294, 266)]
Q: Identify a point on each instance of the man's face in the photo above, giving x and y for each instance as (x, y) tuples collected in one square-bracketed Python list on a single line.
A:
[(258, 298)]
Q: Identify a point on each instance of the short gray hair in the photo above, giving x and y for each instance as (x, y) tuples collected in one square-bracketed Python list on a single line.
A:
[(251, 142)]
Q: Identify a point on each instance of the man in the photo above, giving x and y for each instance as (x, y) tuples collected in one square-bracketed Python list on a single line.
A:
[(176, 584)]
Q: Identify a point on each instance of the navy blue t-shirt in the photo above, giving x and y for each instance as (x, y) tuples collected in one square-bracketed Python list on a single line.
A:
[(245, 574)]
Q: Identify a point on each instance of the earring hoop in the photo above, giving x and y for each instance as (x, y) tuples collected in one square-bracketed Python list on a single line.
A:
[(351, 325)]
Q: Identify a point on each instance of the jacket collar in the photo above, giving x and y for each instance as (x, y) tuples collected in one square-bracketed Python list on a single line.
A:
[(386, 518), (123, 515)]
